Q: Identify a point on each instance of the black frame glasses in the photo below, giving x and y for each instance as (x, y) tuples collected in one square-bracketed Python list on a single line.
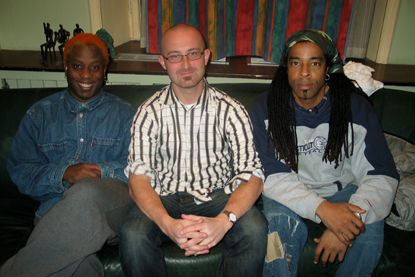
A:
[(192, 56)]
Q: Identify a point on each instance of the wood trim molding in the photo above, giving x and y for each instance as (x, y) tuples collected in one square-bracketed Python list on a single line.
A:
[(135, 19), (28, 61), (383, 27), (385, 43)]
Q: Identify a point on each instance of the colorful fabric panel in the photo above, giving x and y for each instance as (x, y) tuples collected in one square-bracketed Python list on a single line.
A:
[(250, 27)]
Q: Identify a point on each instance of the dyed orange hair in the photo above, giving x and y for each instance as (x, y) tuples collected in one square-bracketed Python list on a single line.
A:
[(85, 39)]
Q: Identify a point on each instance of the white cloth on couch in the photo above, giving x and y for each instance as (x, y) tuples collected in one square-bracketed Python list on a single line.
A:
[(403, 154), (362, 74)]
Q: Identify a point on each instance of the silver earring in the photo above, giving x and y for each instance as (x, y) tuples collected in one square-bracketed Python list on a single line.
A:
[(327, 77)]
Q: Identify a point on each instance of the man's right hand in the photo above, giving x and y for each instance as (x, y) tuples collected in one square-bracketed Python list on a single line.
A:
[(173, 227), (340, 219), (149, 202), (78, 171), (214, 227)]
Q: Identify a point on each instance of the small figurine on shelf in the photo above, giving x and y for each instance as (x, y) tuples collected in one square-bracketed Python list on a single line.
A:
[(63, 37), (77, 30), (50, 42)]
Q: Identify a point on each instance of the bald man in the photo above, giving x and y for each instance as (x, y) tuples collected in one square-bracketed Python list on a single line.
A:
[(180, 175)]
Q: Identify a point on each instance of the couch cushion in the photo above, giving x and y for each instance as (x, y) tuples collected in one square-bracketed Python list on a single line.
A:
[(403, 211), (396, 112)]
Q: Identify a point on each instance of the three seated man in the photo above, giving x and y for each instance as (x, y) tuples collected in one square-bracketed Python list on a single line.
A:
[(189, 167)]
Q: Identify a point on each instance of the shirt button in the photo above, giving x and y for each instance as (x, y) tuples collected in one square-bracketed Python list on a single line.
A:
[(81, 115), (81, 140)]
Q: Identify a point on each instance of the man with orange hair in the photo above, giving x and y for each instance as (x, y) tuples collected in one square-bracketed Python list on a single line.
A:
[(69, 156)]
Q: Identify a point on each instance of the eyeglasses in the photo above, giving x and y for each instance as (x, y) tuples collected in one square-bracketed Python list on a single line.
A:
[(178, 58)]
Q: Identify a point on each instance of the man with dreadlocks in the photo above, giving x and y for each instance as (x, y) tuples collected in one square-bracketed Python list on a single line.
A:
[(325, 160), (69, 154)]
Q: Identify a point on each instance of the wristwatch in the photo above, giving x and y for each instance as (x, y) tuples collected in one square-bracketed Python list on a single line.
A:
[(231, 216)]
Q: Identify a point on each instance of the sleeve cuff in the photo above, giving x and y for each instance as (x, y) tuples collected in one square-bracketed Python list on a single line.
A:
[(57, 182), (107, 171), (138, 169), (365, 205)]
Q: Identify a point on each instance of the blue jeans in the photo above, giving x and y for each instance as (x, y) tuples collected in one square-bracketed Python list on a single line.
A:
[(287, 236), (140, 238)]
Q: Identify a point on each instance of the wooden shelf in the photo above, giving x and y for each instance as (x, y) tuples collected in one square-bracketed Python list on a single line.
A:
[(237, 68)]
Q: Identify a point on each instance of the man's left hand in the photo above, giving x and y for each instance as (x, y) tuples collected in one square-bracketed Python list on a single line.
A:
[(332, 247), (215, 228)]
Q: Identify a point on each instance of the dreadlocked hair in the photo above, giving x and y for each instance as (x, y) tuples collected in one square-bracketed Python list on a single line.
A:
[(282, 122)]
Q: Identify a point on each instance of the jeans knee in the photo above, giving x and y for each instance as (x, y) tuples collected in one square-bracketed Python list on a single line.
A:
[(285, 224), (259, 226), (275, 248), (286, 237), (256, 238), (254, 225), (281, 258), (136, 228), (126, 230), (130, 231)]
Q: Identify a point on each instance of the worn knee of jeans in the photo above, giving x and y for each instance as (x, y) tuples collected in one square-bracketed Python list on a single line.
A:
[(286, 238), (135, 229)]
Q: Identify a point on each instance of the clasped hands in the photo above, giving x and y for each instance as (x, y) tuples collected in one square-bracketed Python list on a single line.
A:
[(342, 227), (197, 234)]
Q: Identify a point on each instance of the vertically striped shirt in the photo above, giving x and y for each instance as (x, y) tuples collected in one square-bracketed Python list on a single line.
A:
[(189, 149)]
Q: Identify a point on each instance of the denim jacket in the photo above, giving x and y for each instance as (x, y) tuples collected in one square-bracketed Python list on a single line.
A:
[(57, 132)]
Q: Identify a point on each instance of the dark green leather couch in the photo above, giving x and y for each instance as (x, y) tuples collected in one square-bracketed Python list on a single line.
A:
[(396, 110)]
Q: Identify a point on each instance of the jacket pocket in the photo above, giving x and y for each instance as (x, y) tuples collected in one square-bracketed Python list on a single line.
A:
[(104, 149), (52, 152)]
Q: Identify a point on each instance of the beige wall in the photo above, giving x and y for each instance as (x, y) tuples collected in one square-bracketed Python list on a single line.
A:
[(21, 21), (392, 38), (403, 44), (115, 18), (383, 28)]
